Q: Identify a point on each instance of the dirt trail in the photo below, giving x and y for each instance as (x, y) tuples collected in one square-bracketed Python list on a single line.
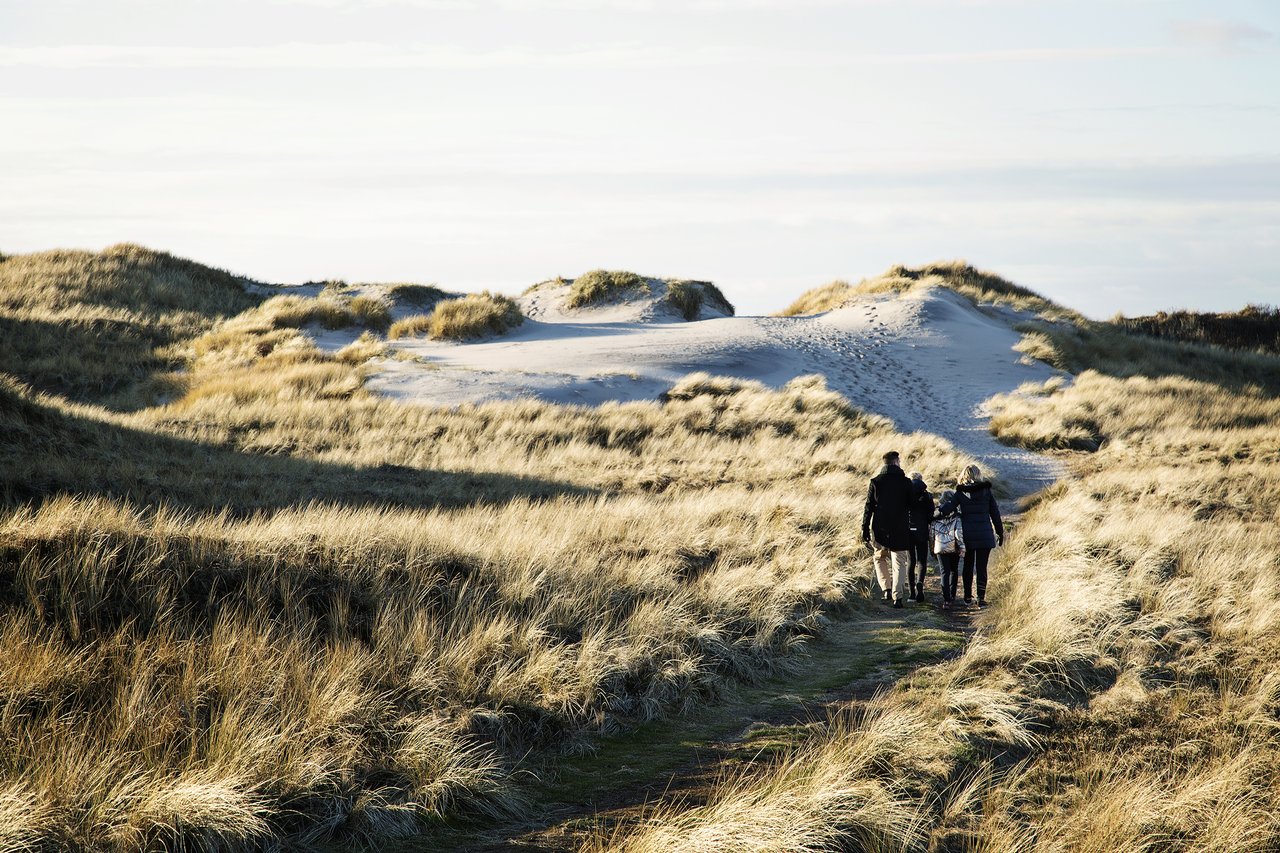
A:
[(677, 760)]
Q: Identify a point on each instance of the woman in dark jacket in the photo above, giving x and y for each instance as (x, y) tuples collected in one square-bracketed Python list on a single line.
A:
[(983, 529)]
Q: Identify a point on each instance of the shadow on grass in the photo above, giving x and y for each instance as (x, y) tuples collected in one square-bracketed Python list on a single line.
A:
[(86, 360), (45, 452)]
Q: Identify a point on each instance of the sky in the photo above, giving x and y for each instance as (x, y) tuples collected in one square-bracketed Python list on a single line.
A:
[(1118, 156)]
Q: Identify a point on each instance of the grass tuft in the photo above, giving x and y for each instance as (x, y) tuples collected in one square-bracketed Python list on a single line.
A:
[(689, 296), (472, 316), (422, 295), (598, 286)]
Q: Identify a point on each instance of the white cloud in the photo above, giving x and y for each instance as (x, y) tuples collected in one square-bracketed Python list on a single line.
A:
[(369, 55)]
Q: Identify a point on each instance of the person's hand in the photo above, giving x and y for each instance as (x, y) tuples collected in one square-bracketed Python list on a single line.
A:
[(1000, 540)]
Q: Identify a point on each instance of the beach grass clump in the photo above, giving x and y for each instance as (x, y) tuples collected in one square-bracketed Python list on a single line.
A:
[(688, 297), (370, 312), (421, 295), (472, 316), (413, 326), (549, 284), (362, 349), (290, 311), (597, 286)]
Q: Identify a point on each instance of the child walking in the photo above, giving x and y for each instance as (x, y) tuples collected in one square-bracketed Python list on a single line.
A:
[(948, 543)]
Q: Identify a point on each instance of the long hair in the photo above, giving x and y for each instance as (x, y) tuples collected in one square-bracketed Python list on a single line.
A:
[(970, 474)]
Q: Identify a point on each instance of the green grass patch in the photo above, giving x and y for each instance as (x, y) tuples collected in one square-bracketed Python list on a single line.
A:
[(416, 294)]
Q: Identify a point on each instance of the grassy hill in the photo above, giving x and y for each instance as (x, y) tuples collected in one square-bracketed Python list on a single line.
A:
[(269, 609), (107, 327)]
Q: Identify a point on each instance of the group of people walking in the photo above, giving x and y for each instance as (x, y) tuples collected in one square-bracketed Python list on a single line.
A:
[(902, 524)]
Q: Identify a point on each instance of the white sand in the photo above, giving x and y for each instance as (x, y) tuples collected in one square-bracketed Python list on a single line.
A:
[(927, 360)]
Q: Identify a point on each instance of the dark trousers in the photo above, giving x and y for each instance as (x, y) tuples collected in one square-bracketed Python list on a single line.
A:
[(975, 559), (919, 554), (950, 574)]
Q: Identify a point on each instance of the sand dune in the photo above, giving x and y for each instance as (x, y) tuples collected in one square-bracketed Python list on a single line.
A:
[(928, 360)]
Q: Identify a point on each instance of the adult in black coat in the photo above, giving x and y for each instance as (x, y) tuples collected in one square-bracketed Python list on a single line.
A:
[(886, 526), (983, 528)]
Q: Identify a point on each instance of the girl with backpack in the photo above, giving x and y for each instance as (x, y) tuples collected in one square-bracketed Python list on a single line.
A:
[(983, 529), (947, 533)]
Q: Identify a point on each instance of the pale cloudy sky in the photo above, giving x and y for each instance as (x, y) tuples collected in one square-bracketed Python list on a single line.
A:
[(1117, 155)]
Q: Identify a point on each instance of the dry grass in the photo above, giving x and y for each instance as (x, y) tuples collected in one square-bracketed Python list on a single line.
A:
[(819, 300), (598, 286), (979, 286), (108, 328), (416, 294), (280, 610), (414, 326), (689, 296), (472, 316), (370, 311), (306, 656), (1255, 327), (558, 281)]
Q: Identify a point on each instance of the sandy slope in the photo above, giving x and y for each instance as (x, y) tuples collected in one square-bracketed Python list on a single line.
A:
[(926, 360)]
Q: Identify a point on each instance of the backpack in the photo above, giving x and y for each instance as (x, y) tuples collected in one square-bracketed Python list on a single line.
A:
[(948, 535)]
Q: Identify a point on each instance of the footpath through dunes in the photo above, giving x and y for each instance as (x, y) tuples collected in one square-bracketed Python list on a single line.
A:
[(674, 764), (928, 359)]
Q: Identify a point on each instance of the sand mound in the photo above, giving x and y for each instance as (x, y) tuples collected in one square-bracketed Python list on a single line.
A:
[(648, 300)]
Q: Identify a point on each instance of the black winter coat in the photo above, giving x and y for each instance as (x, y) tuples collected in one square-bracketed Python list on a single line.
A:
[(979, 514), (921, 506), (887, 514)]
